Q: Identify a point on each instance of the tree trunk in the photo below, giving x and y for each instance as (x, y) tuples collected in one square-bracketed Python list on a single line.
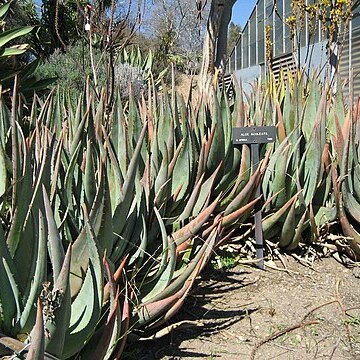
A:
[(213, 23), (222, 38), (214, 49)]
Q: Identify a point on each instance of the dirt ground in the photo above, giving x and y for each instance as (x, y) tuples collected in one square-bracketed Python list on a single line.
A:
[(246, 313)]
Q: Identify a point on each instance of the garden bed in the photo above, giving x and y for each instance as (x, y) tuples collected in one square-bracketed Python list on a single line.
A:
[(245, 313)]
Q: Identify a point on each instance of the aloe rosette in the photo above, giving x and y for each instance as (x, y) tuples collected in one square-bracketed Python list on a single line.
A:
[(345, 172), (297, 181)]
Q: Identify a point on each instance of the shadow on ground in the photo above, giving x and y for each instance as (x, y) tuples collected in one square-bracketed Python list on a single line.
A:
[(197, 319)]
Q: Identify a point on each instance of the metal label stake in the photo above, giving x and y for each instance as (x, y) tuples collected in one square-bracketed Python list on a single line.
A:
[(257, 216), (256, 135)]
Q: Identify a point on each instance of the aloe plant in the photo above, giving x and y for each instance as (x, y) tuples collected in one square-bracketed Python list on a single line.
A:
[(110, 214), (311, 179), (345, 174), (136, 58), (299, 201)]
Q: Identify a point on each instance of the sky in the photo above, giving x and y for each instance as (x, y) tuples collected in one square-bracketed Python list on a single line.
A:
[(242, 10)]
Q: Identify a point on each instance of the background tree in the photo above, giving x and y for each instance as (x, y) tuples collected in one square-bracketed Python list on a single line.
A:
[(233, 36), (110, 21), (89, 32), (61, 24), (176, 33)]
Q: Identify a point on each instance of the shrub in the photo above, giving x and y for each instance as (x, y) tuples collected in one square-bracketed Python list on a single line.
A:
[(73, 67), (126, 74)]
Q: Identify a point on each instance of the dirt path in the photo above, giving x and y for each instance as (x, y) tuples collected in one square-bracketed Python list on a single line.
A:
[(247, 313)]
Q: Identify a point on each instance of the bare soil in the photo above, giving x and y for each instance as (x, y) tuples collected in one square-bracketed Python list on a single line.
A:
[(246, 313)]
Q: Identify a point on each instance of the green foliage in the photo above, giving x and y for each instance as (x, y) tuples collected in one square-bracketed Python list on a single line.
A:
[(352, 320), (61, 24), (11, 34), (131, 70), (10, 52), (225, 259), (136, 58), (22, 14), (73, 67), (234, 33)]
